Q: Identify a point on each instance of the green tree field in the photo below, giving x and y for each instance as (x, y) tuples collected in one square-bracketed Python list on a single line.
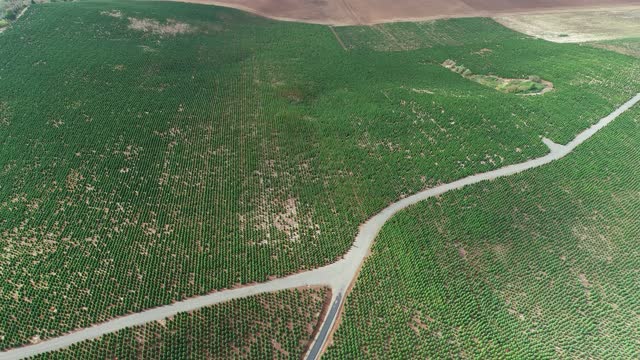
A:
[(154, 151)]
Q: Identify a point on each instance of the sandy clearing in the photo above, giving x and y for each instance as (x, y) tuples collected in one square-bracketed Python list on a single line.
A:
[(367, 12), (339, 276), (578, 26)]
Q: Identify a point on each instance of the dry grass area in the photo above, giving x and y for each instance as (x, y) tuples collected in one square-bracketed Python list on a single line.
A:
[(629, 46), (578, 26), (171, 27), (353, 12)]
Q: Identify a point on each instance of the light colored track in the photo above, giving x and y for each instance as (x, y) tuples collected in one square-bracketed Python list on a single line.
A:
[(339, 276)]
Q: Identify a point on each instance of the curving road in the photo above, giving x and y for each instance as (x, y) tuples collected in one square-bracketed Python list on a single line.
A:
[(339, 276)]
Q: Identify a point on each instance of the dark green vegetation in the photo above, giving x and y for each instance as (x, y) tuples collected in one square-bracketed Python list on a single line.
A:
[(156, 151), (532, 85), (267, 326), (540, 265), (11, 9)]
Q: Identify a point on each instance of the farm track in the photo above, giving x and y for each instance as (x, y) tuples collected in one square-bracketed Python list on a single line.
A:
[(22, 13), (339, 276), (338, 38)]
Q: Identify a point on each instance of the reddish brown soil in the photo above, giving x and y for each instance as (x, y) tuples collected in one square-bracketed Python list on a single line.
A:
[(351, 12)]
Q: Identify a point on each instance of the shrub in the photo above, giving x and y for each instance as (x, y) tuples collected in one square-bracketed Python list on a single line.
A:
[(535, 78)]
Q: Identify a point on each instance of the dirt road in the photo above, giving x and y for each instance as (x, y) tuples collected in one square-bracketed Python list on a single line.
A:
[(339, 276)]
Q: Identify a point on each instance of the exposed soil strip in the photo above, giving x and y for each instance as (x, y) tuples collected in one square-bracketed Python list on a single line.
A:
[(338, 38), (22, 13)]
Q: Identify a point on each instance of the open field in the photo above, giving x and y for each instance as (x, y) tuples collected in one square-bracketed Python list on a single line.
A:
[(627, 46), (579, 25), (268, 326), (542, 264), (152, 152), (359, 12)]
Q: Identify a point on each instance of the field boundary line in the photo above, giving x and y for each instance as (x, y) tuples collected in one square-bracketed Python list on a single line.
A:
[(335, 33), (339, 276), (22, 12)]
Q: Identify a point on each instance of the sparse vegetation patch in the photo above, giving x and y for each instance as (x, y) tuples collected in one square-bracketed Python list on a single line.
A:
[(170, 27), (531, 86)]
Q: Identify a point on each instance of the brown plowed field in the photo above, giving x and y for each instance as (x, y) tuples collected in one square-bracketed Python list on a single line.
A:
[(351, 12)]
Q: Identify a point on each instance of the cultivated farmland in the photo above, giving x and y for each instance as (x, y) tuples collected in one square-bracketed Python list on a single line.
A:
[(359, 12), (538, 265), (152, 152), (268, 326)]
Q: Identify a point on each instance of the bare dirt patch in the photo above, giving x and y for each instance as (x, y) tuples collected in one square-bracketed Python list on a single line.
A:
[(170, 27), (354, 12), (417, 324), (462, 252), (5, 115), (483, 51), (584, 281), (578, 26), (283, 217), (113, 13)]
